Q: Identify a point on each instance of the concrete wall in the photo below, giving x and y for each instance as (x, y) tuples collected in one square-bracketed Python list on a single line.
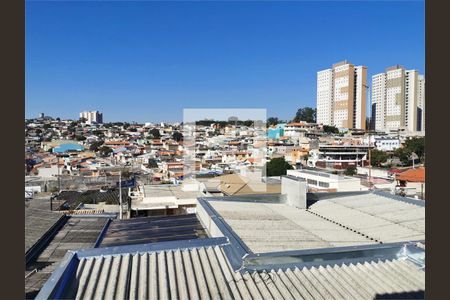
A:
[(49, 172), (207, 222), (293, 190), (382, 173), (351, 185), (72, 182), (341, 184)]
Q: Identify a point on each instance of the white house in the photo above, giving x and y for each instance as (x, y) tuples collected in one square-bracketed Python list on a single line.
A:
[(323, 181)]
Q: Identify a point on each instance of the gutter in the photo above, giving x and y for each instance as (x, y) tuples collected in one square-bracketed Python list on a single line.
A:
[(45, 239), (102, 233), (58, 281)]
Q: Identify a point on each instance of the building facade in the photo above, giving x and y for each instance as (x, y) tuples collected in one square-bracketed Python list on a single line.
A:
[(276, 132), (421, 101), (398, 99), (341, 96), (319, 181), (92, 116)]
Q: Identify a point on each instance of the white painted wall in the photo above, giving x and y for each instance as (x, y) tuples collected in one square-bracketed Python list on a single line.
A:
[(294, 191), (49, 172)]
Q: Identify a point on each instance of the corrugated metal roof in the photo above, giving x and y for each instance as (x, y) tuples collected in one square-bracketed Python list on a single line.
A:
[(337, 221), (37, 223), (204, 273), (378, 217), (77, 233), (153, 229), (266, 227)]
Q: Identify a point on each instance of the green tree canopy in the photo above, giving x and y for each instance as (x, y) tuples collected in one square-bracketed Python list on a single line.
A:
[(416, 145), (350, 171), (277, 167), (306, 114), (272, 121), (80, 137), (177, 136), (95, 145), (104, 150), (378, 157), (330, 129), (155, 133), (413, 145), (404, 155)]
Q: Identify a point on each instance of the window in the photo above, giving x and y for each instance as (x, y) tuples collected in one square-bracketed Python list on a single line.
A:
[(312, 181), (324, 184)]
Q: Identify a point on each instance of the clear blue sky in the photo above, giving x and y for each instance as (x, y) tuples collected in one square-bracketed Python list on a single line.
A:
[(146, 61)]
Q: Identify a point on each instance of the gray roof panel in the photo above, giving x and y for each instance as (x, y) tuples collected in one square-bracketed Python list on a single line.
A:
[(204, 272)]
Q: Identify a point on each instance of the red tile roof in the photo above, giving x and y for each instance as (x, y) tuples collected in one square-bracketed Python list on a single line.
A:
[(412, 175)]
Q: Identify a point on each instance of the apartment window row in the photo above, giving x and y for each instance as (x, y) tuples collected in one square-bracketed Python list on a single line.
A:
[(318, 183)]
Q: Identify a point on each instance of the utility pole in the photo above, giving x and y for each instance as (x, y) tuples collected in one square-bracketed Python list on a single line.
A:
[(369, 131), (59, 175), (120, 194)]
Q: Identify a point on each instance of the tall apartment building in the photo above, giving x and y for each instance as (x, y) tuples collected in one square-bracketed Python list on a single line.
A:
[(398, 99), (341, 96), (92, 116), (421, 105)]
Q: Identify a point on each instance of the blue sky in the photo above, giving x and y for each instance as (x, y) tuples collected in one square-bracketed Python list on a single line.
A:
[(146, 61)]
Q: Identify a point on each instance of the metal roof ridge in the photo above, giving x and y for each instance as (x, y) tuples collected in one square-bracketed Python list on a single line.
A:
[(337, 256), (408, 200), (152, 247)]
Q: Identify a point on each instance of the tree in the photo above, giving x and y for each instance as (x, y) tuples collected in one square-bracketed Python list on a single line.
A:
[(404, 155), (95, 145), (248, 123), (47, 126), (98, 133), (330, 129), (306, 114), (83, 120), (155, 133), (277, 167), (272, 121), (80, 137), (152, 163), (350, 171), (104, 151), (416, 145), (177, 136), (378, 157)]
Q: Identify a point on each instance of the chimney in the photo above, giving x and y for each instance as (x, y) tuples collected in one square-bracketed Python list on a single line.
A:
[(293, 191)]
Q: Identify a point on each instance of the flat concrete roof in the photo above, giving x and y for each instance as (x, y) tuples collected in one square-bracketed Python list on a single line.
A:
[(163, 190), (162, 196)]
